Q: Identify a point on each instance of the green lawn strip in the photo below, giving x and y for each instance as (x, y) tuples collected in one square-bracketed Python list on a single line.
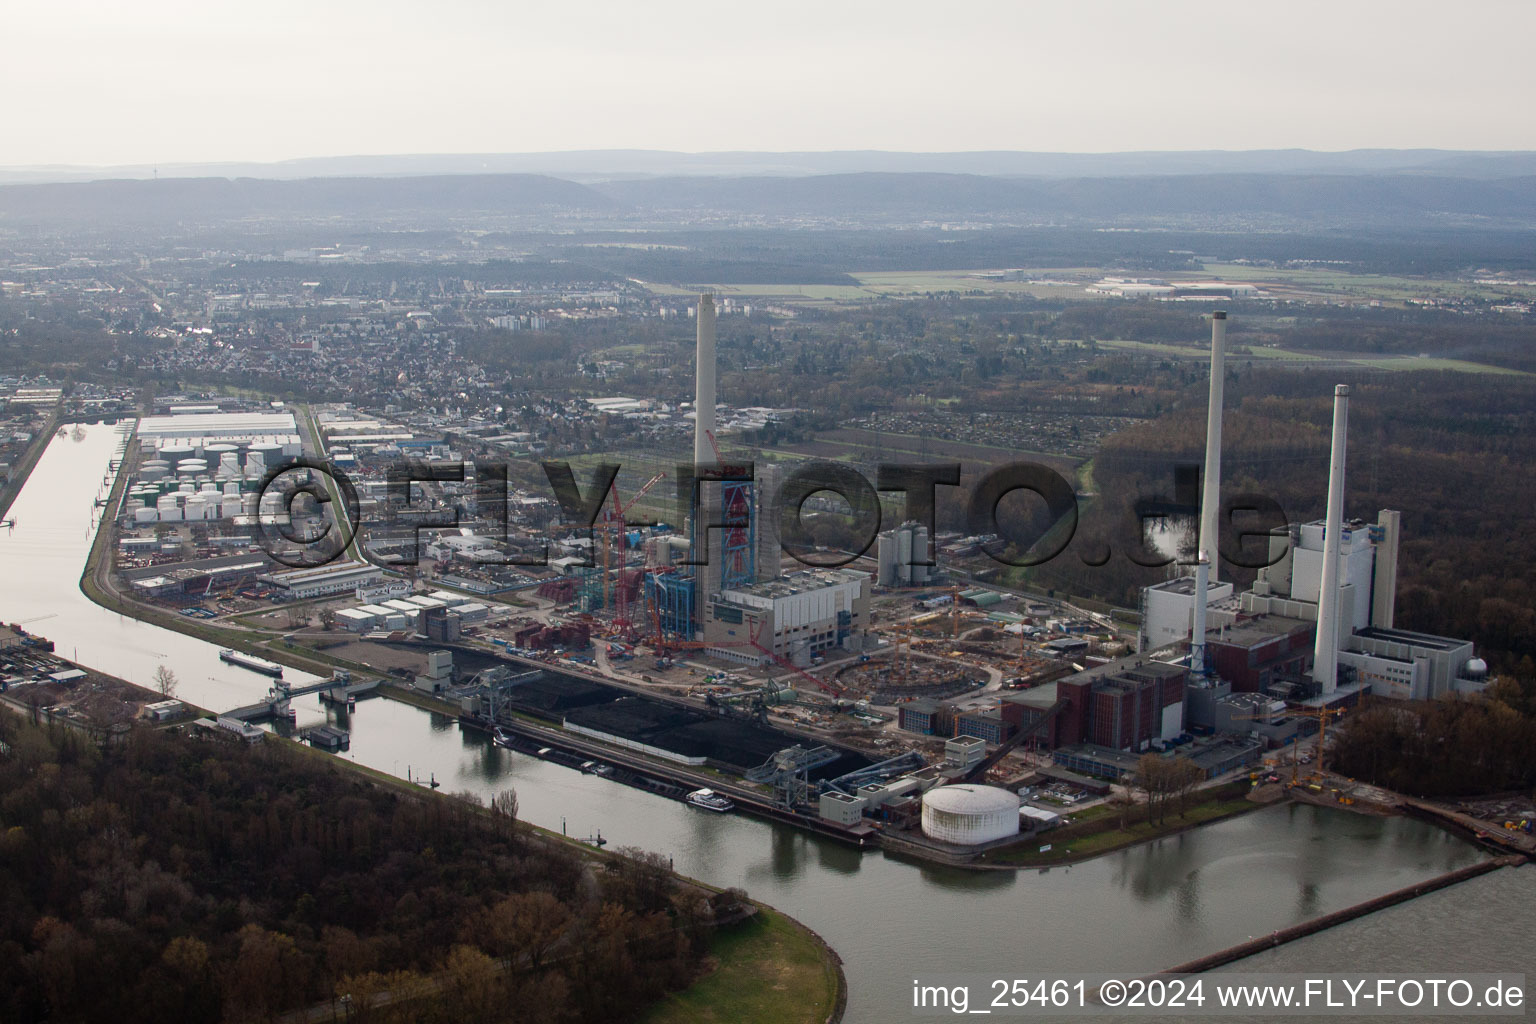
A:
[(769, 970), (1069, 845), (23, 466)]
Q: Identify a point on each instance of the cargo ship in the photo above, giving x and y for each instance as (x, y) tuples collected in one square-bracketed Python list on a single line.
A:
[(709, 800), (266, 668)]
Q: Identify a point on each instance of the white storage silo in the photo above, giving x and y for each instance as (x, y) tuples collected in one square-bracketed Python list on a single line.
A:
[(230, 506), (968, 815), (145, 515), (169, 515)]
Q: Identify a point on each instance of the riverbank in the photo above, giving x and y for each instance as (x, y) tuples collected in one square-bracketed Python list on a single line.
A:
[(770, 969), (22, 469)]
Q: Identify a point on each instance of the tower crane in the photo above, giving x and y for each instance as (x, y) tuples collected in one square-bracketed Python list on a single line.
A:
[(1321, 714)]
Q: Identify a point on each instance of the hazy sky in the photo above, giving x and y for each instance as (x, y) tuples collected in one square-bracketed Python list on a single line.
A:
[(202, 80)]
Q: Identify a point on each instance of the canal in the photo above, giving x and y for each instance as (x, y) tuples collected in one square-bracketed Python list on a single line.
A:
[(1139, 910)]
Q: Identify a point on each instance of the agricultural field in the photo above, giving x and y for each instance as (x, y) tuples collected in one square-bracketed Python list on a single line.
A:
[(1367, 360)]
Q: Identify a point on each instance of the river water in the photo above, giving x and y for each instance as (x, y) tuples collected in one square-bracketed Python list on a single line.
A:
[(1139, 910)]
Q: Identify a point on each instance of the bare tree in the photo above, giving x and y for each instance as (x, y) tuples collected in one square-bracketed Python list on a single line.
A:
[(165, 681), (504, 807), (1184, 777)]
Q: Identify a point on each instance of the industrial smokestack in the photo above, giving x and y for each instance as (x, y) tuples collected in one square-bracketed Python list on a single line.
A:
[(1210, 504), (704, 384), (1325, 659), (1197, 633)]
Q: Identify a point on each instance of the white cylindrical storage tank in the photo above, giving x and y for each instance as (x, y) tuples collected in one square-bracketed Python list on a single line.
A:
[(232, 488), (196, 507), (920, 554), (248, 503), (169, 515), (969, 815), (191, 467), (145, 515), (256, 463), (174, 453), (166, 501), (230, 506), (186, 488)]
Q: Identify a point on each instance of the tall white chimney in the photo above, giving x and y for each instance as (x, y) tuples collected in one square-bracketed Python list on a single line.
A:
[(1210, 502), (1197, 633), (1325, 659), (704, 384)]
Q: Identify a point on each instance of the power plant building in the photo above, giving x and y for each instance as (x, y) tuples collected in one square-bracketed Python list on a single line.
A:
[(736, 601), (794, 617)]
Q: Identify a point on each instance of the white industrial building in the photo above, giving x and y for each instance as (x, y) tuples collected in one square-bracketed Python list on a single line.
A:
[(969, 815), (794, 617), (1168, 611), (190, 435)]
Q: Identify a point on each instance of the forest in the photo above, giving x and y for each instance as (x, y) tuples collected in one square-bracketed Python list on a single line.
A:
[(1455, 746), (175, 879)]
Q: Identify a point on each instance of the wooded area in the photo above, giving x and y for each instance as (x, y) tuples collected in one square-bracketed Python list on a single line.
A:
[(1455, 746), (173, 879)]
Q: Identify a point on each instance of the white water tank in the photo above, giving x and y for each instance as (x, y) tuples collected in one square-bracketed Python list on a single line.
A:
[(145, 515), (968, 815)]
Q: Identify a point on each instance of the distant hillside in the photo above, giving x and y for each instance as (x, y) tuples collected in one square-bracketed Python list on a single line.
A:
[(596, 165), (1203, 201), (1352, 199), (184, 201)]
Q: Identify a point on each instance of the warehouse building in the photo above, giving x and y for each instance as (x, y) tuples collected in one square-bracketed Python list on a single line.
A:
[(302, 584)]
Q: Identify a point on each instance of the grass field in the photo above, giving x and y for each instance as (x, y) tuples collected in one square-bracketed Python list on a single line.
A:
[(921, 282), (1374, 362), (770, 971), (1324, 283), (1110, 837), (788, 292)]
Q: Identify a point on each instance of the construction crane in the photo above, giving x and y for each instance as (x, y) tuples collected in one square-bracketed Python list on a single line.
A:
[(1007, 747), (614, 526), (824, 685), (1321, 714)]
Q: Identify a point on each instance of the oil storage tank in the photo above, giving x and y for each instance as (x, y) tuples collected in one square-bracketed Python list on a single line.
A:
[(968, 815)]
